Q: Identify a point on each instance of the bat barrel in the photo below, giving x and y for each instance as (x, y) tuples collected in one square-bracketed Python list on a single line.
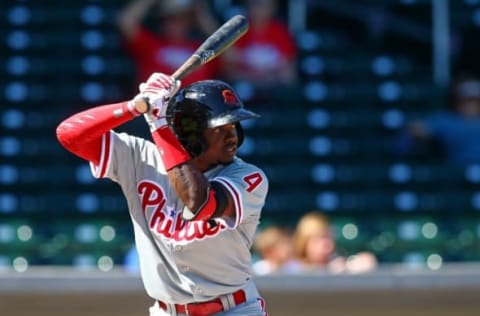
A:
[(222, 38), (214, 45)]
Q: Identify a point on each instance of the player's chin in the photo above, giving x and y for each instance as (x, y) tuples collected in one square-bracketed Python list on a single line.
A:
[(228, 153)]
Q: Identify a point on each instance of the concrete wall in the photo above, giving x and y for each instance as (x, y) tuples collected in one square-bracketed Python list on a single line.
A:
[(447, 292)]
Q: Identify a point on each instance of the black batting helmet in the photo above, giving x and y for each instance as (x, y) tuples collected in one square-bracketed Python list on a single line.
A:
[(205, 104)]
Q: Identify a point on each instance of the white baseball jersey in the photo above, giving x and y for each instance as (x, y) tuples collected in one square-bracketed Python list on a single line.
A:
[(181, 261)]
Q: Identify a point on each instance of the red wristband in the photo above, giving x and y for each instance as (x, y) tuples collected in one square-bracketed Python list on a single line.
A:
[(171, 150)]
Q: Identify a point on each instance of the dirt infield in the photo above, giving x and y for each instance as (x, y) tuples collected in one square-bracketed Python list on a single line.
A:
[(350, 303)]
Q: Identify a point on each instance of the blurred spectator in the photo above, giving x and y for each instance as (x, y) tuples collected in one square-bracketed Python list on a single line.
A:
[(266, 54), (315, 247), (274, 246), (172, 39), (456, 129)]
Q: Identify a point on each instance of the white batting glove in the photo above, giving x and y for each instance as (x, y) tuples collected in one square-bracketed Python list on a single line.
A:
[(157, 90)]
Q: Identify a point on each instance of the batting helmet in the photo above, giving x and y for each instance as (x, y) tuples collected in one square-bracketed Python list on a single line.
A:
[(205, 104)]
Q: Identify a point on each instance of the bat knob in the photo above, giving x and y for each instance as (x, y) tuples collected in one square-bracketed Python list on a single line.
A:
[(142, 105)]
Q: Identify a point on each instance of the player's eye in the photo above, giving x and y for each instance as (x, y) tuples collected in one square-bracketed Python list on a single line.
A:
[(229, 126)]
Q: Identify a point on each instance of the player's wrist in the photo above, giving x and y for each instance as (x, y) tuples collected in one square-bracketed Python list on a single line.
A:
[(171, 150), (155, 123)]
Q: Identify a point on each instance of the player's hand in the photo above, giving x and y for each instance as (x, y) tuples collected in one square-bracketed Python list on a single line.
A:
[(157, 91)]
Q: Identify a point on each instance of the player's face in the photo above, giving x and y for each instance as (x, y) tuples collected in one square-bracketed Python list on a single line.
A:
[(320, 248), (222, 145), (469, 108)]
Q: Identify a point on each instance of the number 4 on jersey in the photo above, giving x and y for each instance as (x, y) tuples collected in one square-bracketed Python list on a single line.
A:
[(253, 180)]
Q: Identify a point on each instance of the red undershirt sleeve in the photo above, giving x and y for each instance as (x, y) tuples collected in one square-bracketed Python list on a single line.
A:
[(81, 134)]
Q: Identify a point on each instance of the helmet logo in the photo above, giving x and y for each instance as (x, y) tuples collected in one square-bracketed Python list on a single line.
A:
[(230, 98)]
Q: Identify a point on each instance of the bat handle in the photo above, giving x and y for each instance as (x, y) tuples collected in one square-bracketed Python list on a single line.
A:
[(190, 65), (142, 105)]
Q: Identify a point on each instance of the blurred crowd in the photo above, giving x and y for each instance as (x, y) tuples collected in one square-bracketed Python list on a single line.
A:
[(310, 246), (453, 132), (160, 35)]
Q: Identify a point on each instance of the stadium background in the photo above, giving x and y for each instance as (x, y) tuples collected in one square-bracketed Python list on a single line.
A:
[(325, 143)]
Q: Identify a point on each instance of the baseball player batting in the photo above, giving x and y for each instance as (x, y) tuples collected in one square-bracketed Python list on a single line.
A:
[(193, 203)]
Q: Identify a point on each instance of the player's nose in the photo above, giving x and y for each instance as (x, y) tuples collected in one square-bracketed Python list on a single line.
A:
[(232, 129)]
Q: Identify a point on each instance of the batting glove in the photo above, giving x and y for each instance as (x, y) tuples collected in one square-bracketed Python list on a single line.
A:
[(157, 91)]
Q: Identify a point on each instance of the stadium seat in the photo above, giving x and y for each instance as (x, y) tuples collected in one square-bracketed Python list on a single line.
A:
[(21, 238), (351, 234), (75, 240), (325, 143), (322, 40)]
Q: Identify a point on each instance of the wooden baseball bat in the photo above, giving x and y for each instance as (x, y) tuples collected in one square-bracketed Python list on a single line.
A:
[(213, 46)]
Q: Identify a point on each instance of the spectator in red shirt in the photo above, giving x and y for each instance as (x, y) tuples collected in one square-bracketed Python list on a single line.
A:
[(266, 54), (166, 48)]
